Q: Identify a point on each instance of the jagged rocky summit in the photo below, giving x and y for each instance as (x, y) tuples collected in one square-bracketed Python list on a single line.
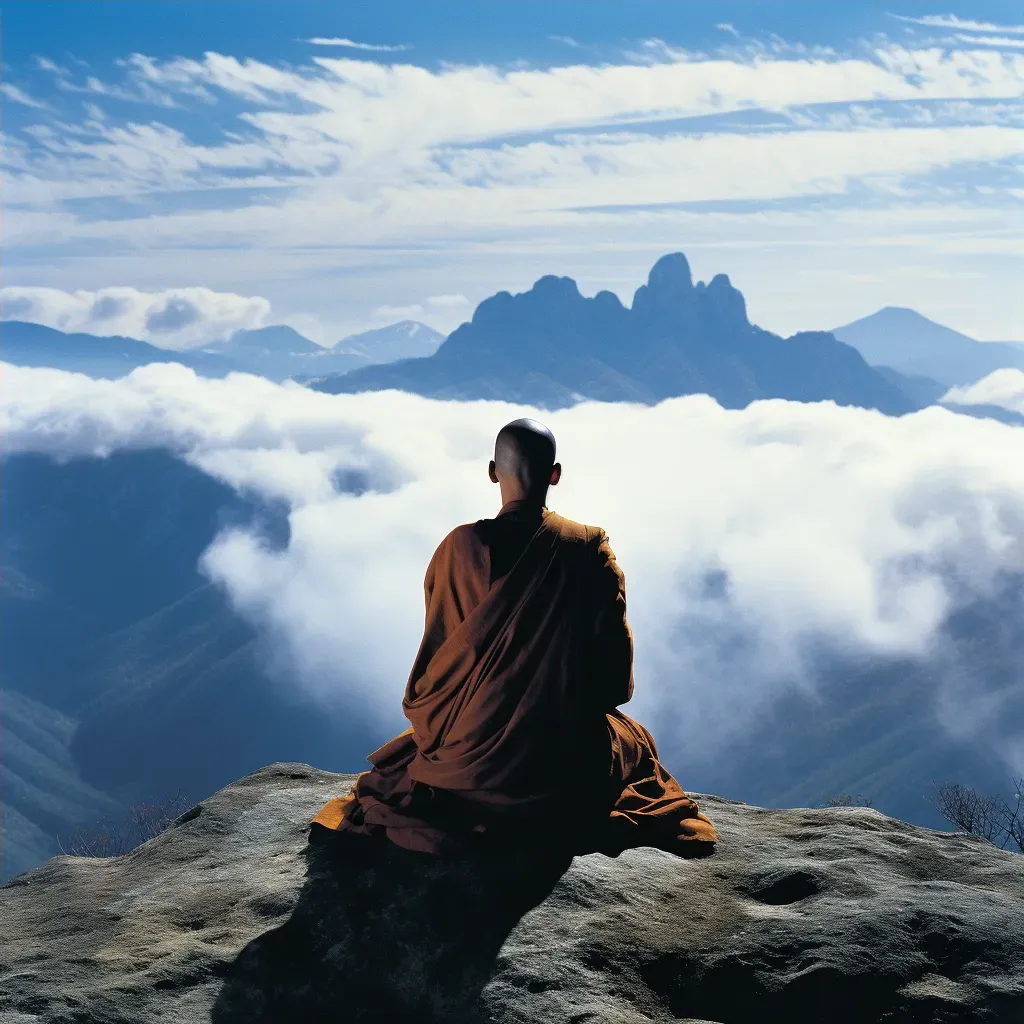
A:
[(552, 347), (230, 916)]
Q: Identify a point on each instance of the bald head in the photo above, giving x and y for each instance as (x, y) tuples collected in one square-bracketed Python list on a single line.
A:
[(524, 461)]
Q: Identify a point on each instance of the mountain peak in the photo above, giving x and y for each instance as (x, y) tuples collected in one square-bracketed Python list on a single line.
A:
[(279, 339), (407, 339), (901, 315), (551, 287), (669, 287), (902, 318), (671, 273), (725, 302), (411, 328), (911, 344)]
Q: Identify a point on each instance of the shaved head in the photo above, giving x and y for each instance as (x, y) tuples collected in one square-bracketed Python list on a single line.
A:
[(524, 458)]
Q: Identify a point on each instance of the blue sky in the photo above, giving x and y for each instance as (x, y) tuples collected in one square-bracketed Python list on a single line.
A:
[(246, 159)]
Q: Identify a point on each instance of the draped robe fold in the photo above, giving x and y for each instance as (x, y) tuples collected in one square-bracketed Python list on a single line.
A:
[(515, 732)]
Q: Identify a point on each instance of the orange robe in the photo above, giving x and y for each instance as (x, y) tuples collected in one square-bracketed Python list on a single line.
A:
[(515, 733)]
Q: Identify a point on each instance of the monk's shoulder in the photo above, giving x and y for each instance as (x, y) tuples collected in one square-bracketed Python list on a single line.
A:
[(463, 537), (456, 544), (580, 534)]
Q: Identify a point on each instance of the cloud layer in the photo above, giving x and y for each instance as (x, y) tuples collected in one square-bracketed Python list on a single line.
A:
[(174, 318), (892, 150), (381, 138), (1003, 388), (752, 540)]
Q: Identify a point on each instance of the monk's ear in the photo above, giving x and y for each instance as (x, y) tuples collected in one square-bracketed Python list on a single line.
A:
[(556, 473), (492, 472)]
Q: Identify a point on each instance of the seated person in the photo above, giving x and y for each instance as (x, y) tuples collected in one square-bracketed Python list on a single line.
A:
[(513, 698)]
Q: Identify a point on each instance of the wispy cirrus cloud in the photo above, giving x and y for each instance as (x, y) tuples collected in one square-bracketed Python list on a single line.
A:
[(587, 176), (46, 64), (18, 95), (351, 44), (135, 91), (951, 21), (1000, 41)]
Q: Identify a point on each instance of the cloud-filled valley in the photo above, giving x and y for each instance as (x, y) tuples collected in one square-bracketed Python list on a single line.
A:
[(763, 547)]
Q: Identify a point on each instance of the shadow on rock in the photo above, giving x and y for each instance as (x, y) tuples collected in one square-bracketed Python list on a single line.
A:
[(383, 934)]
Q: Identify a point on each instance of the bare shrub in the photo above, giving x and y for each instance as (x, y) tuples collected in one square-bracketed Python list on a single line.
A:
[(106, 838), (849, 800), (998, 821), (109, 838), (150, 819), (1011, 816)]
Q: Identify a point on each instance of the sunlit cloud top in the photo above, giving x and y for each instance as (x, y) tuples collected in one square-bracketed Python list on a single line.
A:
[(758, 545)]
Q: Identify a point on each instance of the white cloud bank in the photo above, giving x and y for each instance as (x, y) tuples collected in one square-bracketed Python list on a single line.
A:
[(752, 540), (174, 318), (1003, 388)]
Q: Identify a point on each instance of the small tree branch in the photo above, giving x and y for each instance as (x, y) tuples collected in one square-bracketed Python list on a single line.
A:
[(969, 811)]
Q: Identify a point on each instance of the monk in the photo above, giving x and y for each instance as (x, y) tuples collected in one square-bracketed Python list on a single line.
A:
[(515, 733)]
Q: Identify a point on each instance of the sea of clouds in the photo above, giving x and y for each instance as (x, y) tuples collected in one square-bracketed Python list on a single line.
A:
[(752, 540)]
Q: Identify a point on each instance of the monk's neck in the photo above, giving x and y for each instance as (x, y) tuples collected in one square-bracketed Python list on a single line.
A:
[(523, 505)]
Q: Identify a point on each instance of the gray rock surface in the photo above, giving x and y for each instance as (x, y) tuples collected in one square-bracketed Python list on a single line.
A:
[(230, 916)]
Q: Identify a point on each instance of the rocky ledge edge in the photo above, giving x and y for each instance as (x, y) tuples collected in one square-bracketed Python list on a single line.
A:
[(231, 915)]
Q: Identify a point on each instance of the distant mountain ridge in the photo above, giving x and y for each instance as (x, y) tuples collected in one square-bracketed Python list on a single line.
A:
[(30, 344), (552, 347), (278, 352), (913, 345), (407, 339)]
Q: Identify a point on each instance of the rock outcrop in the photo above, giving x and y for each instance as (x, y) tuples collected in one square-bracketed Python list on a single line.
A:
[(230, 916)]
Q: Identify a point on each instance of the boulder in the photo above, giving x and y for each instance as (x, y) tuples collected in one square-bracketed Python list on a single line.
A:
[(231, 915)]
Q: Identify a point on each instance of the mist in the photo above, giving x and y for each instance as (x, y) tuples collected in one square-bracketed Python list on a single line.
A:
[(757, 543)]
